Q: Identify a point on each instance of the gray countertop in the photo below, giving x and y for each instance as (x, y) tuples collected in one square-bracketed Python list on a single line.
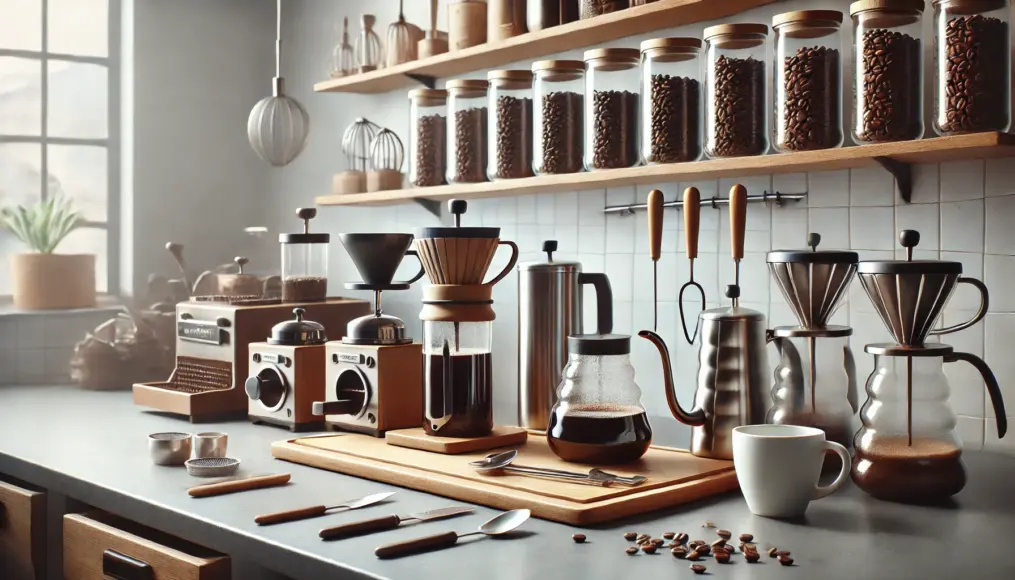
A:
[(93, 446)]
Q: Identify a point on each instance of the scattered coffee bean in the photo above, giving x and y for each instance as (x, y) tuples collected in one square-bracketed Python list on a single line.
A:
[(679, 552), (785, 560), (729, 548), (748, 547), (782, 553), (722, 556), (672, 545), (752, 557), (669, 535), (674, 120), (430, 151), (704, 549), (643, 537), (696, 543), (513, 140), (631, 536), (809, 105), (975, 75), (658, 542), (891, 97), (631, 551), (681, 538), (746, 538), (469, 146), (708, 524), (578, 538), (561, 128), (648, 548), (738, 107), (698, 568), (694, 555), (773, 552), (724, 534), (614, 130), (719, 543)]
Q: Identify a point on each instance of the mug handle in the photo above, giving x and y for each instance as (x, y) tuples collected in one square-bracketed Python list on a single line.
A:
[(847, 463), (511, 262), (419, 274), (984, 304)]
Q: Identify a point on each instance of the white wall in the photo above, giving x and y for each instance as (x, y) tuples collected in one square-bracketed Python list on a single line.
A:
[(962, 210)]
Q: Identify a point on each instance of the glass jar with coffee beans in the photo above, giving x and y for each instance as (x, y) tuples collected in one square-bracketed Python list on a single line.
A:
[(972, 66), (467, 130), (558, 109), (591, 8), (427, 134), (510, 124), (305, 262), (808, 80), (611, 108), (671, 130), (888, 81), (736, 87)]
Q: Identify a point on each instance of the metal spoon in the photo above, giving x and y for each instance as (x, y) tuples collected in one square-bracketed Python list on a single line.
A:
[(500, 524), (502, 461)]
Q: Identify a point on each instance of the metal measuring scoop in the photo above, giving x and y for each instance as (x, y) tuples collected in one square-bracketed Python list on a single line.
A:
[(500, 524), (692, 218), (502, 461)]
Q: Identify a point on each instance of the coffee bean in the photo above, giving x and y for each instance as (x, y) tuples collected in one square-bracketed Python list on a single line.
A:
[(745, 538), (752, 557), (430, 153), (785, 560), (694, 555), (512, 144), (614, 130), (643, 538), (698, 568), (719, 543), (737, 115), (648, 548), (672, 545), (974, 77), (681, 538), (889, 100), (679, 552), (631, 536), (809, 108), (748, 547), (729, 548), (724, 534), (631, 551), (658, 542), (773, 552), (674, 120), (722, 556), (469, 146), (782, 553), (561, 133), (708, 524), (578, 538), (668, 535), (704, 549)]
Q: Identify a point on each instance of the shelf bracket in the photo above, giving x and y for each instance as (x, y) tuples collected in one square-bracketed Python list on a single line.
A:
[(427, 81), (430, 205), (903, 173)]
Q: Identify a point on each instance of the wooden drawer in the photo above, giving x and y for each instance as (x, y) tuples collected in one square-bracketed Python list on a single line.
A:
[(99, 546), (22, 533)]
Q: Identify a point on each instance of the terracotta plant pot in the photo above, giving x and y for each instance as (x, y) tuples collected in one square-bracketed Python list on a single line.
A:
[(53, 281)]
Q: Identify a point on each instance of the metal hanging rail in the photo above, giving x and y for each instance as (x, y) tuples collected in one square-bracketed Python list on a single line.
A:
[(713, 202)]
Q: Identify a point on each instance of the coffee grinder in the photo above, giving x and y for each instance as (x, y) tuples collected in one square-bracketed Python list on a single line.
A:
[(815, 381), (907, 449), (457, 319), (373, 379)]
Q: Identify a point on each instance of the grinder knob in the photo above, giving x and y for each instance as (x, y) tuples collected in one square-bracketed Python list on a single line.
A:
[(253, 387)]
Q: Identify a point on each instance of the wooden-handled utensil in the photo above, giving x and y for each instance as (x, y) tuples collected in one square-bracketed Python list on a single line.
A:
[(500, 524), (738, 225), (655, 247), (389, 523), (319, 510), (233, 486), (692, 220)]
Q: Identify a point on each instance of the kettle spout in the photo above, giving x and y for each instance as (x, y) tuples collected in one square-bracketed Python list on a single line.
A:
[(695, 417)]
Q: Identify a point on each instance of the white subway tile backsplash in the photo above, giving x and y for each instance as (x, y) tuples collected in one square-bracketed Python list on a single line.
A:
[(966, 297), (620, 195), (870, 186), (926, 185), (620, 270), (828, 189), (789, 229), (832, 224), (567, 238), (999, 275), (590, 207), (546, 209), (962, 180), (871, 228), (31, 365), (1000, 227), (527, 209), (620, 231), (507, 211), (31, 331), (9, 338), (1000, 177), (566, 209), (998, 338), (924, 218), (592, 239), (991, 442), (962, 226), (970, 431), (791, 183), (755, 184)]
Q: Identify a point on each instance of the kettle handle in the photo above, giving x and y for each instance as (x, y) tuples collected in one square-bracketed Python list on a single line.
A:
[(984, 304), (604, 300), (992, 387), (696, 417)]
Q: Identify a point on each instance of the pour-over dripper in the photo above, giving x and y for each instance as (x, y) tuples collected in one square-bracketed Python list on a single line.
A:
[(461, 255), (910, 295), (813, 282)]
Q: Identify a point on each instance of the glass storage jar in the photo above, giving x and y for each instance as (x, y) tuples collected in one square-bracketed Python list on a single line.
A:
[(304, 262), (467, 124), (808, 80), (736, 87), (611, 111), (972, 69), (458, 377), (888, 81), (510, 124), (671, 100), (590, 8), (427, 148), (557, 122)]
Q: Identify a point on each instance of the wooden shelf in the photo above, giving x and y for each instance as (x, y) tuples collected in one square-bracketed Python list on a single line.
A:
[(629, 22), (896, 157)]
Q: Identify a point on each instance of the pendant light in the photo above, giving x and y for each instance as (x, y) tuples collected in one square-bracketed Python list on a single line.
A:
[(278, 125)]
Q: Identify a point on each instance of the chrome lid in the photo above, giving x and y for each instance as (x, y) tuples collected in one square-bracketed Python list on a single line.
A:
[(298, 332), (813, 255), (550, 265), (382, 329)]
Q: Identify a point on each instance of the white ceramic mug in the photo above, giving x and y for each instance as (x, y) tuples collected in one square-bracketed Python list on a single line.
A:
[(778, 467)]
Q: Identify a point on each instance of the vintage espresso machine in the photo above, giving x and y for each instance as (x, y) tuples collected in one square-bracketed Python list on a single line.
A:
[(374, 380)]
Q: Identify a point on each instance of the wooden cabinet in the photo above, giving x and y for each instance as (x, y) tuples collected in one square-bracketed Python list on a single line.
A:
[(98, 546), (22, 533)]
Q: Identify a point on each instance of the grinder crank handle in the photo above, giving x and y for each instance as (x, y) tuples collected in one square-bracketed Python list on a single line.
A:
[(340, 407), (655, 224), (692, 221)]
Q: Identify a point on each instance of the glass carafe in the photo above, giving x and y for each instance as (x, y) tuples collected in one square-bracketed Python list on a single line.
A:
[(458, 376), (599, 418), (907, 449)]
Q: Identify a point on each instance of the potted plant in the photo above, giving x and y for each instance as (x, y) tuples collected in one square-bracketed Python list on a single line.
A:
[(41, 279)]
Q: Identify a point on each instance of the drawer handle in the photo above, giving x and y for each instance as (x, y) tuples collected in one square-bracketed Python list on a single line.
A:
[(122, 567)]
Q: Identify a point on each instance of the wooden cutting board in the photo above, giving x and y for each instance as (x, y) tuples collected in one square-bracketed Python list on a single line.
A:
[(674, 477), (417, 438)]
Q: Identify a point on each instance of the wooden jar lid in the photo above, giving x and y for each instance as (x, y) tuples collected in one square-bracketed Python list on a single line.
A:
[(807, 23), (886, 13), (510, 79), (467, 87), (736, 36), (612, 59), (967, 7), (671, 49), (559, 70), (429, 97)]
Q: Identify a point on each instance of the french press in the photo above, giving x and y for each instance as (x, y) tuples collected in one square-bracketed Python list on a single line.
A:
[(907, 449)]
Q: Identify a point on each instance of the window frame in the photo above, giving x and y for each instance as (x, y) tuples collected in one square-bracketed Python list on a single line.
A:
[(111, 143)]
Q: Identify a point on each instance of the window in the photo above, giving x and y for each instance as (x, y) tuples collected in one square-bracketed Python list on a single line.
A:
[(59, 120)]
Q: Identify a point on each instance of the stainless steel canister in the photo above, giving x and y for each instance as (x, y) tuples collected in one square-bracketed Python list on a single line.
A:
[(550, 310)]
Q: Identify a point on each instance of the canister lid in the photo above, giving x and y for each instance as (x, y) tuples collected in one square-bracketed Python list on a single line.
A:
[(429, 96), (813, 255), (599, 344), (550, 265), (909, 239), (510, 75), (967, 7), (683, 42), (808, 16), (613, 54), (559, 71), (298, 332), (466, 84), (888, 12), (737, 30), (457, 207), (306, 214)]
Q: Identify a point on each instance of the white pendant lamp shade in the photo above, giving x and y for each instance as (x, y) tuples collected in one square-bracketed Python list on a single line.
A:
[(278, 125)]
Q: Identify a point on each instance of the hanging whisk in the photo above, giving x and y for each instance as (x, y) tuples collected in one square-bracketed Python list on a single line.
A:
[(369, 53), (386, 157), (343, 58), (401, 40)]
